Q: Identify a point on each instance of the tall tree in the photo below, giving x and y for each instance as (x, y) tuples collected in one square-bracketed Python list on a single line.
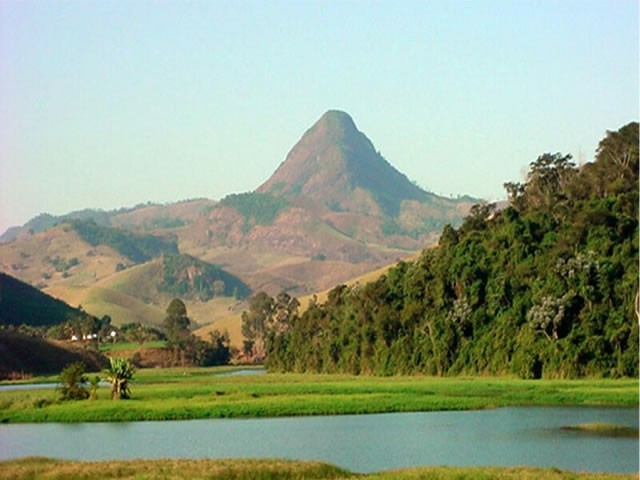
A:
[(257, 322), (176, 325)]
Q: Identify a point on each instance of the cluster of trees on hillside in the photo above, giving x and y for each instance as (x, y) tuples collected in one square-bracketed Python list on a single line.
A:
[(545, 287), (391, 226), (136, 247), (186, 276), (256, 208)]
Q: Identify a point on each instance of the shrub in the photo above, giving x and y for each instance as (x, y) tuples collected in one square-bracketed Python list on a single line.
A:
[(72, 379)]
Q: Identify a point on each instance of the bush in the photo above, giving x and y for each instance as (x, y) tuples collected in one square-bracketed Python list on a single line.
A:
[(72, 379)]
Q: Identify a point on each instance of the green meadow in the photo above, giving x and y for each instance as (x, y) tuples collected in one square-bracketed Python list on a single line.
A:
[(36, 468), (127, 346), (195, 393)]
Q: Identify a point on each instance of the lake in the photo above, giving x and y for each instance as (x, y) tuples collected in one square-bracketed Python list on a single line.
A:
[(9, 387), (362, 443)]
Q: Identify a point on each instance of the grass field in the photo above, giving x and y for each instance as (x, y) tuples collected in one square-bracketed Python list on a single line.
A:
[(172, 394), (35, 468), (128, 346)]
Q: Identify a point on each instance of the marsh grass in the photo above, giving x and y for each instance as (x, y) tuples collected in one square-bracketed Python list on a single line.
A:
[(30, 468), (264, 469), (493, 473), (603, 430), (128, 346), (173, 394)]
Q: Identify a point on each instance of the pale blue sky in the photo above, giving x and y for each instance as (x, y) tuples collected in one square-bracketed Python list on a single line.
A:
[(112, 103)]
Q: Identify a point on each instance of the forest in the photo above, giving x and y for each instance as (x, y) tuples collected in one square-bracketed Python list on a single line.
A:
[(546, 286)]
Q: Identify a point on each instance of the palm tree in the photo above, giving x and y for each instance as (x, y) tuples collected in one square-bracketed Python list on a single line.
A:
[(120, 373)]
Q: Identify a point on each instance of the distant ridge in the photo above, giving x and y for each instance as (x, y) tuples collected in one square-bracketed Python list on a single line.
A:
[(144, 216)]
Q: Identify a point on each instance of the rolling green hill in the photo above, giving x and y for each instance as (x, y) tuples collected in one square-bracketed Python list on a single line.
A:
[(22, 355), (121, 307), (188, 277), (22, 304), (141, 293), (172, 276)]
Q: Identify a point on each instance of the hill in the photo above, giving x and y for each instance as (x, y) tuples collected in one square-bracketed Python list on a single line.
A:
[(137, 248), (58, 256), (22, 355), (143, 217), (188, 277), (22, 304), (98, 267), (100, 301), (142, 292), (544, 288), (79, 253)]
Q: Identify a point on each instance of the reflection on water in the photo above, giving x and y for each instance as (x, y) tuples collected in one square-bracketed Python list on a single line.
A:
[(506, 437), (242, 372), (38, 386)]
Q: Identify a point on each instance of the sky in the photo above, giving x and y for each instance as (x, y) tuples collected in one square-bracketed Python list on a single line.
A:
[(108, 104)]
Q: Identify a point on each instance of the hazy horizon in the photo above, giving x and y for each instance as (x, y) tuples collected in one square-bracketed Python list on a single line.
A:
[(109, 105)]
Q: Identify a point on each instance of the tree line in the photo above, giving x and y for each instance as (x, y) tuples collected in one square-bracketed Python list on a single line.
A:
[(545, 287)]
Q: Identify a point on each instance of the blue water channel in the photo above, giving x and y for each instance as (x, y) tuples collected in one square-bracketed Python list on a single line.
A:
[(522, 436)]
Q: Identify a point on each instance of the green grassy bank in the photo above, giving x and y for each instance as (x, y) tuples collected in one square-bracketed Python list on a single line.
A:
[(130, 346), (170, 394), (36, 468)]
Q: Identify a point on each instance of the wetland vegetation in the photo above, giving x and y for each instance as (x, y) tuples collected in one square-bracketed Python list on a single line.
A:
[(176, 393), (34, 468)]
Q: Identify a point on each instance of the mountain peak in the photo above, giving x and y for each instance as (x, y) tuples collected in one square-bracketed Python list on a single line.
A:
[(337, 164), (337, 119), (332, 126)]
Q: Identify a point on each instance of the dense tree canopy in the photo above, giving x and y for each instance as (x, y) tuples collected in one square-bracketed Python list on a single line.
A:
[(258, 208), (267, 316), (544, 287)]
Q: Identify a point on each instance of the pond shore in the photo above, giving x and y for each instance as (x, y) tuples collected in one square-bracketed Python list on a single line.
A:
[(198, 393), (30, 468)]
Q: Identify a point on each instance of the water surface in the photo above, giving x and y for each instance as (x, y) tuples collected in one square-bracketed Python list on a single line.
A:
[(363, 443)]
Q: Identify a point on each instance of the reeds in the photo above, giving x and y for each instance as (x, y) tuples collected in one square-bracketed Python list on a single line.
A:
[(265, 469)]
